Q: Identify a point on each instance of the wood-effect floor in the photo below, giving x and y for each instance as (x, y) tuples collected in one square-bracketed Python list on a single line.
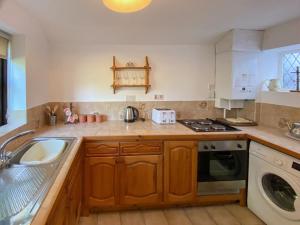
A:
[(212, 215)]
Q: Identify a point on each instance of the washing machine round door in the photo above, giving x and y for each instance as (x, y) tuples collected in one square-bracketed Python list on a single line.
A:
[(282, 193)]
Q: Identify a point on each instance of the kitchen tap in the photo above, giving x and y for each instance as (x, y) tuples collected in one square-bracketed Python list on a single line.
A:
[(3, 156)]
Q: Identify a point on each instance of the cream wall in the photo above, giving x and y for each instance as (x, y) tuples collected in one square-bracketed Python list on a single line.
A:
[(270, 68), (278, 39), (282, 35), (16, 21), (82, 73)]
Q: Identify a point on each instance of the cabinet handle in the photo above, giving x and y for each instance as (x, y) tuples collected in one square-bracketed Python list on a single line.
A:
[(120, 160)]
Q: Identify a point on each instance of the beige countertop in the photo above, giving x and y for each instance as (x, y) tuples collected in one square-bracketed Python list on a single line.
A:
[(274, 138), (119, 128), (268, 136)]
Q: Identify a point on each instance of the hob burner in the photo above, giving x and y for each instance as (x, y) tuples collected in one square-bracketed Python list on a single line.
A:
[(206, 125), (218, 127), (204, 122), (200, 127)]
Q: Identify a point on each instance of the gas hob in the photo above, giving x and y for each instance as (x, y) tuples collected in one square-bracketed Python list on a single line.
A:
[(206, 125)]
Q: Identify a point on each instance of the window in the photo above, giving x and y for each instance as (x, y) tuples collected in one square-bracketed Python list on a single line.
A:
[(290, 62), (3, 80)]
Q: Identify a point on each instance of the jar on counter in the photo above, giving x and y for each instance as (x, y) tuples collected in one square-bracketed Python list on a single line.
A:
[(82, 118), (91, 118)]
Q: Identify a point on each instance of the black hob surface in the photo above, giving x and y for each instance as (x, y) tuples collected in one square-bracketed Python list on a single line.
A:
[(207, 125)]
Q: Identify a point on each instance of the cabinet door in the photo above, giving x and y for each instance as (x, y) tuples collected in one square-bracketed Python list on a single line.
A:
[(59, 213), (75, 193), (180, 171), (101, 181), (75, 200), (141, 179)]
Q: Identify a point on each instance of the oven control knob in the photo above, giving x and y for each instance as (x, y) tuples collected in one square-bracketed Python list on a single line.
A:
[(213, 147), (205, 147), (239, 146)]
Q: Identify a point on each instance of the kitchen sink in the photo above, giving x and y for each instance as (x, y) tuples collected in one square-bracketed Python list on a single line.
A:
[(20, 186), (43, 152), (31, 170), (40, 151)]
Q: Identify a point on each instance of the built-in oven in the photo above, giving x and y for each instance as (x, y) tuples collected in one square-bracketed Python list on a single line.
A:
[(222, 166)]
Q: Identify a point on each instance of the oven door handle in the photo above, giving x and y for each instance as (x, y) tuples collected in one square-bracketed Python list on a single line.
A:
[(224, 156)]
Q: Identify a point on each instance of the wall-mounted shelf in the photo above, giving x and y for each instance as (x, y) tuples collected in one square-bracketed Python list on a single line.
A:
[(123, 76)]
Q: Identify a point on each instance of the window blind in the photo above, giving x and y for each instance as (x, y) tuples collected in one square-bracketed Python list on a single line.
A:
[(3, 48)]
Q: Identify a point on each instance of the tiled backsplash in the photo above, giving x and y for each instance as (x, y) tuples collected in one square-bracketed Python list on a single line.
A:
[(114, 110), (36, 118), (277, 115), (270, 115), (265, 114), (250, 111)]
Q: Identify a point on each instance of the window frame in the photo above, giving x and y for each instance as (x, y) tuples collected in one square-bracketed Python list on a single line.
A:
[(282, 54), (4, 83), (3, 91)]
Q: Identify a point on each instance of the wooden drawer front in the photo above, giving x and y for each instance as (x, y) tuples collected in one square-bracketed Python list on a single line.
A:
[(102, 148), (136, 148)]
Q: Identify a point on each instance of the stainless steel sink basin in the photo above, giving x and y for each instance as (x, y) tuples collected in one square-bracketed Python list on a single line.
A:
[(44, 152), (23, 186), (19, 187), (18, 157)]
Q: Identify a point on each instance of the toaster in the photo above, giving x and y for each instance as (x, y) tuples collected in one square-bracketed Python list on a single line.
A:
[(163, 116)]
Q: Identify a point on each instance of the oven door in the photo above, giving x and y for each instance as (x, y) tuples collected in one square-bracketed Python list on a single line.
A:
[(222, 172), (222, 166)]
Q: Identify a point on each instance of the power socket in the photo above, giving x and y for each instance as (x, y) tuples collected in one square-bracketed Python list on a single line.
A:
[(159, 97)]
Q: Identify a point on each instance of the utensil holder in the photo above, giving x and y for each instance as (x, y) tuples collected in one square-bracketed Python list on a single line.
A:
[(52, 120)]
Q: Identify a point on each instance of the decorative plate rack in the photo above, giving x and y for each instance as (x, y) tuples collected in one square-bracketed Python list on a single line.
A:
[(131, 75)]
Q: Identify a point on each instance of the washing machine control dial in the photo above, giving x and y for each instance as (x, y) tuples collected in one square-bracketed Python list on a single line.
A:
[(278, 162)]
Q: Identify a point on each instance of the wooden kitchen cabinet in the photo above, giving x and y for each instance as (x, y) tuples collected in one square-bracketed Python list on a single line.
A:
[(67, 207), (180, 171), (59, 213), (141, 180), (134, 176), (75, 194), (100, 181)]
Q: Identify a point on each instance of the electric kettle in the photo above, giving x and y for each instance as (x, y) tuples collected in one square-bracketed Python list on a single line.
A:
[(294, 129), (131, 114)]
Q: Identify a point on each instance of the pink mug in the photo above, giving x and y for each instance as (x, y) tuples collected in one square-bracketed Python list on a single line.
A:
[(82, 118), (91, 118)]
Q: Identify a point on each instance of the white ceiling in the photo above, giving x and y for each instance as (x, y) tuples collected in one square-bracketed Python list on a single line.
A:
[(163, 22)]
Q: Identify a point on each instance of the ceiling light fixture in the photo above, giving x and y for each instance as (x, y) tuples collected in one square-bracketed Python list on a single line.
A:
[(126, 6)]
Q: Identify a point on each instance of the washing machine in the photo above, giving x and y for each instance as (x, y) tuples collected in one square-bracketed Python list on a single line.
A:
[(274, 186)]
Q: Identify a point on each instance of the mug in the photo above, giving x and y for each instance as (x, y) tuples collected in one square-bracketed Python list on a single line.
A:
[(82, 118), (91, 118)]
